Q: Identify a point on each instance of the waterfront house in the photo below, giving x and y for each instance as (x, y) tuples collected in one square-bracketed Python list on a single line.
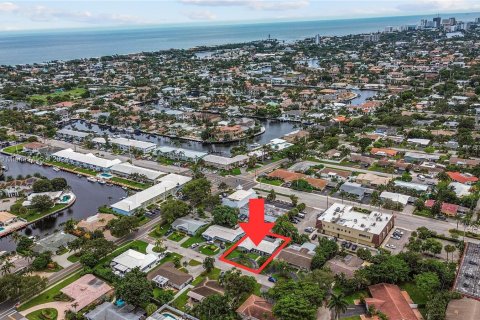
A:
[(126, 170), (180, 153), (224, 162), (89, 161), (53, 243)]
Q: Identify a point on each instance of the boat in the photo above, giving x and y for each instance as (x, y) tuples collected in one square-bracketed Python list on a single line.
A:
[(40, 163), (92, 179), (101, 181), (79, 175), (56, 169), (110, 184)]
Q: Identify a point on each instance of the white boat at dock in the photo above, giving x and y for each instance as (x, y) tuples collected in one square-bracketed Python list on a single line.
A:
[(92, 179), (56, 169)]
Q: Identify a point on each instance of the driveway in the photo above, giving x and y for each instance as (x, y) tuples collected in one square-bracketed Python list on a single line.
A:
[(60, 306)]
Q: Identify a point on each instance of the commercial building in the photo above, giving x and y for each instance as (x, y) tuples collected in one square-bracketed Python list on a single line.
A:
[(222, 234), (180, 153), (166, 186), (132, 259), (224, 162), (88, 160), (126, 169), (239, 198), (127, 144), (343, 221)]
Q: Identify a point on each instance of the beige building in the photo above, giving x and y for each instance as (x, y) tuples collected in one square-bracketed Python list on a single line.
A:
[(343, 221), (373, 180)]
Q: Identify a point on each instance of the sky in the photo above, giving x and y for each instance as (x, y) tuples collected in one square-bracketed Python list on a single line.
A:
[(53, 14)]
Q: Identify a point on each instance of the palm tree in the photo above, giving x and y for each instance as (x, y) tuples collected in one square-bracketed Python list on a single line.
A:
[(337, 305), (7, 267), (449, 249), (16, 237)]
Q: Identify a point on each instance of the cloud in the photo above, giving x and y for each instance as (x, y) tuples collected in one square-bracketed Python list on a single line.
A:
[(272, 5), (8, 7), (201, 15), (440, 5), (41, 13)]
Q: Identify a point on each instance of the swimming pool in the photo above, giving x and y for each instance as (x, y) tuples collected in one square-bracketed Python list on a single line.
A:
[(2, 228), (105, 175), (169, 316)]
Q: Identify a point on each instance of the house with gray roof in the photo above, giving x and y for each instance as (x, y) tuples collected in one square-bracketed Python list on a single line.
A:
[(353, 189), (109, 311), (188, 225), (53, 242)]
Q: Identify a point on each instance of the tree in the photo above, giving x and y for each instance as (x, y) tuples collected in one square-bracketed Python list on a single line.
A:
[(225, 216), (122, 226), (58, 184), (337, 305), (208, 264), (449, 249), (173, 209), (42, 185), (197, 190), (42, 203), (271, 195), (41, 261), (134, 288), (164, 296), (294, 200), (24, 244), (291, 307), (427, 283), (433, 246), (151, 308), (214, 307), (7, 266), (70, 225), (363, 143), (237, 286), (21, 286), (286, 228)]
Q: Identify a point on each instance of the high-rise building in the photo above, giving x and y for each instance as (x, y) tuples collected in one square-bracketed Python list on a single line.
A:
[(437, 21), (317, 39), (452, 21), (373, 37), (477, 20)]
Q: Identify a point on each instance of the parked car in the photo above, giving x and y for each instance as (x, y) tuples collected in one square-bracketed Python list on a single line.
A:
[(272, 279)]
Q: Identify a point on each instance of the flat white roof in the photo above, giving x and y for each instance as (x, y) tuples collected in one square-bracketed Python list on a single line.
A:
[(89, 158), (224, 160), (223, 233), (460, 189), (345, 215), (127, 168), (396, 197), (240, 195), (165, 184), (265, 246), (132, 259), (411, 185), (126, 142)]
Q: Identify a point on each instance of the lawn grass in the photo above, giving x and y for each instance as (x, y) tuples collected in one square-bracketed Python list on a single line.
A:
[(170, 257), (130, 183), (48, 295), (181, 301), (417, 296), (65, 95), (33, 215), (159, 231), (73, 258), (176, 236), (209, 249), (14, 149), (213, 275), (38, 315), (273, 182), (194, 263), (195, 239)]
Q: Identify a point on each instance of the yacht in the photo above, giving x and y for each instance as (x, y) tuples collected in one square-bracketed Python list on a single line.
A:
[(92, 179), (56, 169), (101, 181)]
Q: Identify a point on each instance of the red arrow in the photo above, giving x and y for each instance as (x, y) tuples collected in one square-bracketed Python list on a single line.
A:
[(256, 228)]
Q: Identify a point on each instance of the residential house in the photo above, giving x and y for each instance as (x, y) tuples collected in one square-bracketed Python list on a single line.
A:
[(132, 259), (86, 291), (392, 302), (205, 289), (222, 234), (370, 179), (53, 243), (169, 276), (256, 308), (353, 189), (239, 198), (109, 311), (188, 225)]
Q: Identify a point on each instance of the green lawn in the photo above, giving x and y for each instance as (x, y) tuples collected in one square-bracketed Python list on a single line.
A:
[(213, 275), (159, 231), (181, 301), (170, 257), (14, 149), (273, 182), (209, 249), (48, 295), (232, 172), (415, 294), (73, 258), (195, 239), (62, 95), (130, 183), (33, 215), (194, 263), (43, 314), (176, 236)]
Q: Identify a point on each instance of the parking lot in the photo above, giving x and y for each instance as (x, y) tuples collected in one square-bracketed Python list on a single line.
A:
[(396, 240), (468, 278)]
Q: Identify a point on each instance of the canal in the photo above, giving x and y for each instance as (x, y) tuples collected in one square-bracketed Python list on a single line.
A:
[(90, 196), (273, 129)]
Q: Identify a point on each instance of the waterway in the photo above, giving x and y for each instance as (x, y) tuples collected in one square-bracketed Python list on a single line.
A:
[(273, 129), (90, 196)]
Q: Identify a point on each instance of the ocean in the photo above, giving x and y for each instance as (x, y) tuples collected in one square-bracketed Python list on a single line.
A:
[(22, 47)]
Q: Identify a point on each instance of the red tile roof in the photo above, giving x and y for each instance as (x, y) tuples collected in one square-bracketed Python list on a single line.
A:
[(389, 299), (462, 178), (447, 208)]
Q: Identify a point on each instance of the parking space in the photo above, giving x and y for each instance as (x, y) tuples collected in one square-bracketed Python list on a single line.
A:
[(468, 277), (397, 239)]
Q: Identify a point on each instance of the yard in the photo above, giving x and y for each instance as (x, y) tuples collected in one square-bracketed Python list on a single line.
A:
[(417, 296), (43, 314), (58, 95), (49, 295), (273, 182), (14, 149), (130, 183), (181, 301), (192, 240), (33, 215), (159, 231), (209, 249), (176, 236)]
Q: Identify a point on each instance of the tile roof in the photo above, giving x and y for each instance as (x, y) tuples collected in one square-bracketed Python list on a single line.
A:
[(389, 299)]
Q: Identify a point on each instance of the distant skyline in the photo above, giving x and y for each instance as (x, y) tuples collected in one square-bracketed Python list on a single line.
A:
[(54, 14)]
